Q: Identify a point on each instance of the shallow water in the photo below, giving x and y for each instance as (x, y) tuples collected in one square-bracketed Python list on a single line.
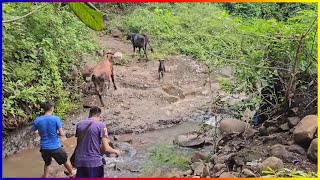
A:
[(29, 163)]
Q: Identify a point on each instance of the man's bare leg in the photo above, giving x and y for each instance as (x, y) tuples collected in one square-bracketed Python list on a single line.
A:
[(68, 166), (45, 171)]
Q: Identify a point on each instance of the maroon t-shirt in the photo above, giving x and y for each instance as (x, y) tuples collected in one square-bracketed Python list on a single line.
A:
[(88, 153)]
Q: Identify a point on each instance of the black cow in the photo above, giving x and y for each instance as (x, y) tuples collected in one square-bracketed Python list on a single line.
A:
[(139, 41)]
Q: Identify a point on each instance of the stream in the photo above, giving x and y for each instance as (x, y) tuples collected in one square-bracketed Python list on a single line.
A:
[(29, 163)]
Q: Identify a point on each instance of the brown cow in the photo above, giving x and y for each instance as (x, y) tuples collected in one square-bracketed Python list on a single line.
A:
[(101, 73)]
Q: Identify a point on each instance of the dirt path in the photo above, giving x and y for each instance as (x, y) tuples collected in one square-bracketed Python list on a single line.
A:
[(142, 101)]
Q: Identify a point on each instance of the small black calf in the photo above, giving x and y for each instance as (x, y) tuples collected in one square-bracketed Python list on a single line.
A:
[(162, 68)]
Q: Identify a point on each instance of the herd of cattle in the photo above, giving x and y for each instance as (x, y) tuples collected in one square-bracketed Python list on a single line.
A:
[(103, 72)]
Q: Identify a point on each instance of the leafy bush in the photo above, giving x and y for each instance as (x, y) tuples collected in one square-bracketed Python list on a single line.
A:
[(38, 53)]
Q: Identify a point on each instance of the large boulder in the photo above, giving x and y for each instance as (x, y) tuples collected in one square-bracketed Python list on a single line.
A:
[(305, 130), (230, 126), (272, 162), (313, 150)]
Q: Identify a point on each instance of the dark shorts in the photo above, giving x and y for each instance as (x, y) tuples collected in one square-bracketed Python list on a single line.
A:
[(57, 154), (90, 172)]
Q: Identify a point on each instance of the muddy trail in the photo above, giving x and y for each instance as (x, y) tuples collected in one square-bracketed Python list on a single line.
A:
[(145, 113)]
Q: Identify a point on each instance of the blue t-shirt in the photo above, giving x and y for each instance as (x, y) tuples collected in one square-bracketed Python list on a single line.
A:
[(47, 126)]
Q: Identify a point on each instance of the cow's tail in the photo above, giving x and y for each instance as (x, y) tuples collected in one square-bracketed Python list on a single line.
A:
[(148, 42)]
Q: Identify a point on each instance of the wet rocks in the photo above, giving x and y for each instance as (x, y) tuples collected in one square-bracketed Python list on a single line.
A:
[(272, 162), (293, 121), (306, 129), (192, 139), (313, 150), (285, 127)]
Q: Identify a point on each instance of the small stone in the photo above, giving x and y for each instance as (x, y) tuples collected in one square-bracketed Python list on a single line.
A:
[(215, 159), (296, 149), (269, 123), (227, 175), (187, 172), (279, 151), (247, 173), (197, 156), (285, 127), (293, 121), (249, 133), (313, 150), (198, 168), (272, 129), (273, 162), (263, 131), (219, 167)]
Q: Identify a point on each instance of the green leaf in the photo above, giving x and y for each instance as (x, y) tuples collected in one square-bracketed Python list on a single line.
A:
[(88, 16)]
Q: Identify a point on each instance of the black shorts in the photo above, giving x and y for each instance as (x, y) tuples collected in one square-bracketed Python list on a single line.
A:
[(57, 154)]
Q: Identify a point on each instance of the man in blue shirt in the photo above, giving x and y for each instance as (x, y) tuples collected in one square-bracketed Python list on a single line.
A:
[(50, 128)]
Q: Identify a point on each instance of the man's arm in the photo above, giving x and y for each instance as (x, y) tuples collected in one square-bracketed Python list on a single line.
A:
[(105, 141), (59, 127), (34, 129), (106, 147)]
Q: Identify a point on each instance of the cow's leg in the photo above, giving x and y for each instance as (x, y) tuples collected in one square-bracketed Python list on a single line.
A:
[(99, 92), (134, 51), (145, 53), (114, 84)]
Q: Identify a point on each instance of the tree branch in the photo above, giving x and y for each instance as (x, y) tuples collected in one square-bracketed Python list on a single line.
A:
[(21, 17)]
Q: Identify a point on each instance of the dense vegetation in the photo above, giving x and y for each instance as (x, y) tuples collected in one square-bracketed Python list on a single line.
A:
[(261, 49), (38, 52), (272, 41)]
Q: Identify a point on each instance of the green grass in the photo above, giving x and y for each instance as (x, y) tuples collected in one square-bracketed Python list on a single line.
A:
[(165, 158)]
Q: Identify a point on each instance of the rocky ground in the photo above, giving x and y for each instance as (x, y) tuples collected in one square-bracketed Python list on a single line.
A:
[(245, 152)]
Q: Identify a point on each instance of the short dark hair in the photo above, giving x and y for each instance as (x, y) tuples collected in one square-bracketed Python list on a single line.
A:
[(47, 106), (94, 111)]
